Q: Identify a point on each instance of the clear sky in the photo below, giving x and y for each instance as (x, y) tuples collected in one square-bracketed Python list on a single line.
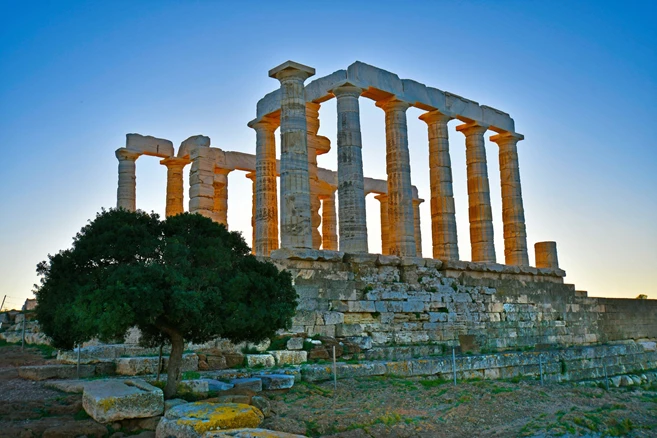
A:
[(578, 77)]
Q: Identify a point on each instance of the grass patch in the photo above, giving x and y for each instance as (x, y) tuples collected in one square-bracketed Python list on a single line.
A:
[(279, 343), (432, 383), (191, 375), (81, 415)]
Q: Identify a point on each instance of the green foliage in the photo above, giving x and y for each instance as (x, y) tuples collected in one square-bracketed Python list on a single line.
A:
[(186, 277), (432, 383), (81, 415), (279, 343), (191, 375), (564, 367)]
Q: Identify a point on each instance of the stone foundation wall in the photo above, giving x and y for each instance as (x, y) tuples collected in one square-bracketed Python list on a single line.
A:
[(384, 300)]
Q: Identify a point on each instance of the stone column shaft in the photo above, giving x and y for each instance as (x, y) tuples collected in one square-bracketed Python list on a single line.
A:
[(296, 222), (312, 126), (201, 182), (329, 223), (220, 208), (126, 193), (513, 212), (252, 177), (266, 192), (443, 212), (546, 255), (479, 208), (400, 193), (416, 224), (351, 192), (175, 187), (385, 224)]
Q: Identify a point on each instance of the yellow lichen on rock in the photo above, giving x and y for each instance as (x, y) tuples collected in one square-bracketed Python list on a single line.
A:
[(203, 417)]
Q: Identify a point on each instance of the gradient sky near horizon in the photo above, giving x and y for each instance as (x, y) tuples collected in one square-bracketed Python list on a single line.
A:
[(578, 77)]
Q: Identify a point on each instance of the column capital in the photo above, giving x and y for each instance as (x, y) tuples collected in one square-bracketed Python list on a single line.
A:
[(435, 116), (265, 124), (472, 129), (124, 154), (392, 103), (347, 89), (222, 171), (381, 197), (418, 201), (175, 162), (506, 137), (291, 69), (251, 176)]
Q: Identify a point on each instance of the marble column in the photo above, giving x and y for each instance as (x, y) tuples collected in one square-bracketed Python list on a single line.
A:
[(329, 223), (175, 187), (266, 215), (296, 221), (513, 212), (546, 255), (201, 182), (351, 193), (385, 224), (443, 212), (312, 126), (220, 208), (416, 223), (126, 193), (252, 177), (400, 194), (479, 208)]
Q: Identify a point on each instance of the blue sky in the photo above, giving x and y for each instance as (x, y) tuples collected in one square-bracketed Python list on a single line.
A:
[(579, 78)]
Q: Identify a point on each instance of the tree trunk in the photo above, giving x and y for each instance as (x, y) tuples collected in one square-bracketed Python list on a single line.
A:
[(174, 369)]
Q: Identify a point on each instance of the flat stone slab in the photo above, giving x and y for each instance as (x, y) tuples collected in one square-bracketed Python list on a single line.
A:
[(45, 372), (134, 366), (276, 381), (284, 357), (252, 383), (204, 386), (114, 400), (260, 360), (193, 420), (70, 386), (250, 433)]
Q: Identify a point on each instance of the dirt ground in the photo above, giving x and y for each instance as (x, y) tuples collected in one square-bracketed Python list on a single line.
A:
[(372, 407)]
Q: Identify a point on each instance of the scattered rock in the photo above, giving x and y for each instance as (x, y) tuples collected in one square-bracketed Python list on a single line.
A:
[(44, 372), (260, 360), (284, 357), (295, 343), (192, 420), (276, 381), (250, 433), (168, 404), (251, 383), (263, 404), (113, 400)]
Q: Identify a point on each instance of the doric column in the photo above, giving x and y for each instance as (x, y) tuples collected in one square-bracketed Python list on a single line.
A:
[(312, 126), (220, 209), (329, 228), (201, 182), (252, 177), (126, 193), (400, 194), (481, 216), (175, 189), (385, 224), (416, 223), (266, 215), (296, 223), (443, 213), (546, 255), (513, 212), (351, 193)]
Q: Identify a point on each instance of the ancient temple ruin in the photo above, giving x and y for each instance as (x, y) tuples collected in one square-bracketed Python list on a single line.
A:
[(395, 297)]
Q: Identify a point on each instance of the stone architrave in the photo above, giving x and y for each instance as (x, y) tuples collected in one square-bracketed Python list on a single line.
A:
[(385, 224), (329, 223), (480, 212), (443, 212), (252, 177), (175, 188), (220, 208), (296, 222), (312, 126), (416, 223), (201, 181), (126, 193), (400, 193), (351, 193), (513, 212), (266, 215)]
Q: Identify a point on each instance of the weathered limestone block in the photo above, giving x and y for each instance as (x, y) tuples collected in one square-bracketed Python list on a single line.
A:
[(250, 433), (195, 141), (126, 192), (44, 372), (134, 366), (113, 400), (284, 357), (251, 383), (546, 255), (363, 342), (295, 343), (260, 360), (148, 145), (193, 420), (307, 254), (203, 386), (276, 381), (343, 330)]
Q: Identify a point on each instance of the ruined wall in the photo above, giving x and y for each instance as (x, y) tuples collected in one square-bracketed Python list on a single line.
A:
[(385, 300)]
